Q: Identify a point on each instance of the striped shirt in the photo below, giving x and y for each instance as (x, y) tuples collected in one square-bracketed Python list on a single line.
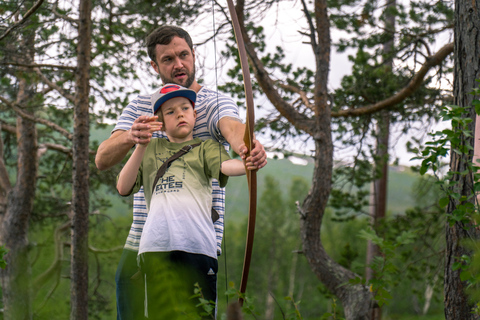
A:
[(210, 107)]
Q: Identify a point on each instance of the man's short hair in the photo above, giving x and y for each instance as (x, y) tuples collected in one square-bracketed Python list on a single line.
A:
[(163, 35)]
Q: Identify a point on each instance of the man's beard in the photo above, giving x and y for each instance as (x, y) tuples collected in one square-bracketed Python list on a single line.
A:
[(187, 84)]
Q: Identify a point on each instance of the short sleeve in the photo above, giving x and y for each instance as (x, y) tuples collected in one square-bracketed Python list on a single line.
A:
[(140, 106), (128, 116), (218, 106), (214, 155), (138, 183)]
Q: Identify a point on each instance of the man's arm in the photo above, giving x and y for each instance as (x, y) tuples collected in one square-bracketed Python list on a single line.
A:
[(115, 148), (233, 131)]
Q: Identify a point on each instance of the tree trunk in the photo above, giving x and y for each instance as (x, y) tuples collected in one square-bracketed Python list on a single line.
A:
[(16, 277), (80, 199), (379, 186), (467, 69), (356, 299)]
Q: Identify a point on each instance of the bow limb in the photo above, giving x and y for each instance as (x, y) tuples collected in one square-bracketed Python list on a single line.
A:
[(248, 140)]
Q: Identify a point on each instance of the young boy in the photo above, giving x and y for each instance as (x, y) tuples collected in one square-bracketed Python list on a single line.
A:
[(178, 238)]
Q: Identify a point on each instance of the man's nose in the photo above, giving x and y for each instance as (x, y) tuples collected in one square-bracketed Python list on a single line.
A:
[(178, 63)]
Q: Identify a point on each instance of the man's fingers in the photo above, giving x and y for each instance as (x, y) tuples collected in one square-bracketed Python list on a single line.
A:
[(258, 156), (142, 129)]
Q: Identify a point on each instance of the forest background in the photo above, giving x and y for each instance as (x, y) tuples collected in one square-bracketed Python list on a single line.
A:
[(70, 67)]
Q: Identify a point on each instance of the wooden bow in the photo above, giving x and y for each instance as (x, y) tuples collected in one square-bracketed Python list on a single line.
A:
[(248, 139)]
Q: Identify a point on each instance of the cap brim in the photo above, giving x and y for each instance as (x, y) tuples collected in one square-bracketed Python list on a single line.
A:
[(185, 93)]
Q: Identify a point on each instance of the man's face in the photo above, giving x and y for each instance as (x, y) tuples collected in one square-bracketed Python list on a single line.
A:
[(175, 62)]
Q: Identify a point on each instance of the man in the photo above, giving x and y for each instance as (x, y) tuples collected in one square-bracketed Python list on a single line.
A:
[(172, 56), (178, 240)]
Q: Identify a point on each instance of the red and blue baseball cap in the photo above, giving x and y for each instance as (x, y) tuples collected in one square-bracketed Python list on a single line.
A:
[(170, 91)]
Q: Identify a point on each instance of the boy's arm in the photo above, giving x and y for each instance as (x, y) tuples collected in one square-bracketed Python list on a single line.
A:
[(232, 167), (233, 130), (128, 175)]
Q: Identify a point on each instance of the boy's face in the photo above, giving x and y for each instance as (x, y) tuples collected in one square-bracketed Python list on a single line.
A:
[(175, 62), (178, 119)]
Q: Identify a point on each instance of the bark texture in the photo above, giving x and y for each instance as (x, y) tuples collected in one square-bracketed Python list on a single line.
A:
[(16, 203), (80, 194), (467, 69)]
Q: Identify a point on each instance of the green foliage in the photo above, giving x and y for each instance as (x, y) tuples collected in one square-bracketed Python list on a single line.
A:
[(460, 189), (3, 252), (334, 314), (446, 141), (384, 267), (207, 306)]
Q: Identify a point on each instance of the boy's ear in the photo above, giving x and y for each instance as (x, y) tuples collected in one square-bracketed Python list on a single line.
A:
[(195, 113)]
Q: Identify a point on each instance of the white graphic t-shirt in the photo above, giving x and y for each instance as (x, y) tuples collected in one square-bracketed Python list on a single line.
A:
[(179, 209)]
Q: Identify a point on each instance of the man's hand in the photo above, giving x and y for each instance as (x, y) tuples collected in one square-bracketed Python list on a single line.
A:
[(116, 147), (143, 128), (257, 158)]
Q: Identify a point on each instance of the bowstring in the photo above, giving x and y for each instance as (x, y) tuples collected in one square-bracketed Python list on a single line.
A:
[(220, 145)]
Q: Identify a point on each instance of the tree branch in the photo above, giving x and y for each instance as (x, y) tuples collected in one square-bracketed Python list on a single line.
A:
[(7, 127), (25, 115), (301, 93), (56, 66), (57, 262), (299, 120), (416, 81), (311, 26), (57, 147), (25, 18), (61, 16), (50, 146), (60, 90), (96, 250)]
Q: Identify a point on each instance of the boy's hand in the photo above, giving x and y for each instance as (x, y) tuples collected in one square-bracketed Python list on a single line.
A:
[(142, 129)]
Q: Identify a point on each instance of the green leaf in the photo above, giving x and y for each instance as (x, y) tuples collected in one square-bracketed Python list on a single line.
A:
[(443, 202), (464, 276)]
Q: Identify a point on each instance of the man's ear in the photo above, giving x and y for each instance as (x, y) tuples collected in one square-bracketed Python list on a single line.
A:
[(154, 66)]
